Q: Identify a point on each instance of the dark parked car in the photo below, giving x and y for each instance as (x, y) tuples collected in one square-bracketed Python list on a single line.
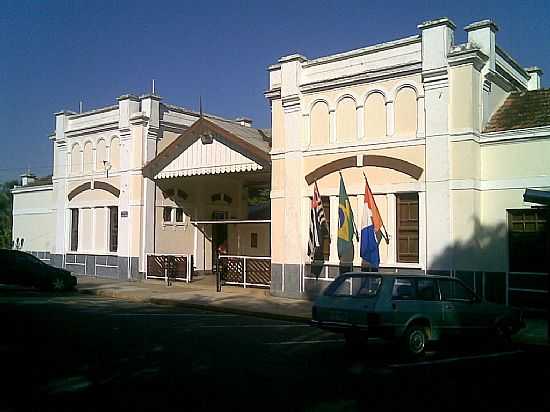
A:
[(410, 309), (20, 268)]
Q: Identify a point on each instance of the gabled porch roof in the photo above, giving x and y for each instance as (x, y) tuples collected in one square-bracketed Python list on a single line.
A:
[(212, 146)]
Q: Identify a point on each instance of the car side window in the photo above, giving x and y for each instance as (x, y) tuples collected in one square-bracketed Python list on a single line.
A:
[(426, 290), (453, 290), (403, 289)]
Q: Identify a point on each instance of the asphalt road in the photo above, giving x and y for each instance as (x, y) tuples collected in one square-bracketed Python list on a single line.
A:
[(76, 352)]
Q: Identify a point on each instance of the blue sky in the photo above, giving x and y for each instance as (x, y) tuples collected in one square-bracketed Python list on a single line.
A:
[(57, 53)]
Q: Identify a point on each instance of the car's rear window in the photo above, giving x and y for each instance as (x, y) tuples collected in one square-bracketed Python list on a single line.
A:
[(356, 285)]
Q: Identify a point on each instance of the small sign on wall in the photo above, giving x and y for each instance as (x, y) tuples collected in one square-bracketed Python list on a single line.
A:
[(123, 213)]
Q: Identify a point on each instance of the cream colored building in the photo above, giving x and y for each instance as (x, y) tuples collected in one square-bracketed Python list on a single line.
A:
[(415, 115), (449, 136)]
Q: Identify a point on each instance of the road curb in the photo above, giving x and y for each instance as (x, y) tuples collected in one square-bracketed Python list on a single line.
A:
[(203, 306)]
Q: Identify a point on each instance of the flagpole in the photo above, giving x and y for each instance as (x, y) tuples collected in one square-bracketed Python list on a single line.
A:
[(353, 220), (386, 237)]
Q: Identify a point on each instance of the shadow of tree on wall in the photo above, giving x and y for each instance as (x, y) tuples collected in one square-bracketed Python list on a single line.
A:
[(480, 261)]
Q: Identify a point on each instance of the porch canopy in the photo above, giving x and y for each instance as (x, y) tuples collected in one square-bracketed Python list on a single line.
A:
[(212, 146)]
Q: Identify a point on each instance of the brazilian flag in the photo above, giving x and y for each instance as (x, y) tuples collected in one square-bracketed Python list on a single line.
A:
[(346, 225)]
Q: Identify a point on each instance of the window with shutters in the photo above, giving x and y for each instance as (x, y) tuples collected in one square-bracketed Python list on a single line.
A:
[(526, 234), (407, 227), (113, 229), (74, 229)]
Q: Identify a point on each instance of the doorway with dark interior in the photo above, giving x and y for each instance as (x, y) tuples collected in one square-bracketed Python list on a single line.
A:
[(219, 237)]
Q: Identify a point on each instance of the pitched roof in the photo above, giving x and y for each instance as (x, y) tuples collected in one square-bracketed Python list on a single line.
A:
[(522, 110), (252, 142), (254, 136)]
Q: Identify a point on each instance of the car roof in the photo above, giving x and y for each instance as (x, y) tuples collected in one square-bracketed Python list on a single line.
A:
[(398, 275)]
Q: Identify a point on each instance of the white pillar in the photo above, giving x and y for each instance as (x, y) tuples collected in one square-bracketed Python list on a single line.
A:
[(422, 229), (333, 259), (332, 124), (390, 224), (307, 130), (360, 122), (421, 126), (390, 118), (358, 215)]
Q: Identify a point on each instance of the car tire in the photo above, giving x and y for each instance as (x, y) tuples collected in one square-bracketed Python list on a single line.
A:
[(354, 340), (503, 335), (414, 341), (58, 284)]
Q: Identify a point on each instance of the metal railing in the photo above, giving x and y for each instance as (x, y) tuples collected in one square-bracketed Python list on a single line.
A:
[(245, 270), (169, 267)]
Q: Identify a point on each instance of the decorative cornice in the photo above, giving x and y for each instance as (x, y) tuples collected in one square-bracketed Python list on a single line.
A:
[(139, 118), (151, 96), (273, 94), (64, 112), (24, 189), (293, 57), (363, 51), (512, 62), (500, 81), (533, 133), (91, 130), (291, 100), (444, 21), (128, 97), (534, 69), (435, 78), (481, 25), (467, 54), (364, 77), (95, 111)]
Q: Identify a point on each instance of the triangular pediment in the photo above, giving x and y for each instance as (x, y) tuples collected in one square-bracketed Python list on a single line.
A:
[(210, 148)]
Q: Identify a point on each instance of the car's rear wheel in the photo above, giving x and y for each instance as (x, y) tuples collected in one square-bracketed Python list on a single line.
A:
[(503, 335), (414, 340), (355, 340), (58, 284)]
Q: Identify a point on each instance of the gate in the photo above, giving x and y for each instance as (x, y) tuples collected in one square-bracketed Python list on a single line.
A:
[(245, 270), (169, 267)]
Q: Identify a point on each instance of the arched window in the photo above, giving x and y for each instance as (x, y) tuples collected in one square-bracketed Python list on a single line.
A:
[(100, 155), (346, 120), (406, 112), (76, 160), (114, 152), (320, 126), (375, 116), (88, 159)]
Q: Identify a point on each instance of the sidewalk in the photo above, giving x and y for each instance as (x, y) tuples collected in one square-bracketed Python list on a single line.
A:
[(254, 302), (203, 295)]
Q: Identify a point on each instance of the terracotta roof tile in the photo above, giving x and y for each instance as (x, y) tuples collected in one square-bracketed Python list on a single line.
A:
[(522, 110)]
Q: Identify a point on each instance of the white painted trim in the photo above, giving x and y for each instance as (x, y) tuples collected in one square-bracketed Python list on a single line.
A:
[(362, 51), (372, 144), (359, 189), (501, 184), (23, 189), (37, 211)]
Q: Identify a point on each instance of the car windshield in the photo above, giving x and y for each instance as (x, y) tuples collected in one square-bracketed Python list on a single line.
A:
[(355, 285)]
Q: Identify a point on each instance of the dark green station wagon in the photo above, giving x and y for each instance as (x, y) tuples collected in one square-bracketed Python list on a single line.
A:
[(411, 309)]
